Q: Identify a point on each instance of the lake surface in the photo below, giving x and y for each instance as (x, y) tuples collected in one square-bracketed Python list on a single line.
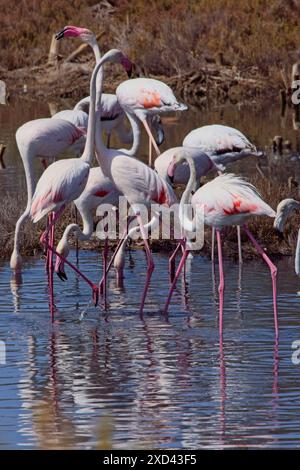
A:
[(100, 380)]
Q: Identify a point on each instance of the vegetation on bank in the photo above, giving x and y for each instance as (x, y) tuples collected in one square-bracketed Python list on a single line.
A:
[(261, 227), (236, 43)]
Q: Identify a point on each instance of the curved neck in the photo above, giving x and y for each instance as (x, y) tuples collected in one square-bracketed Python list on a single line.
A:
[(136, 134), (297, 255), (84, 234), (185, 202)]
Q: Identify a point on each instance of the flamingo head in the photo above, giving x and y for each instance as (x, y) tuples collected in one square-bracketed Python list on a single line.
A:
[(75, 32), (62, 250), (283, 209), (179, 156), (117, 56)]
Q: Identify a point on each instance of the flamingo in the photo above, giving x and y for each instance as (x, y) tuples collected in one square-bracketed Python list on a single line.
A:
[(48, 138), (224, 145), (140, 185), (64, 180), (284, 208), (203, 165), (141, 97), (112, 113), (226, 200)]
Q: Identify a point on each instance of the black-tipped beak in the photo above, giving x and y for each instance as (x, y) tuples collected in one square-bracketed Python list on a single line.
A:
[(160, 136), (171, 179), (129, 72), (62, 275), (60, 34)]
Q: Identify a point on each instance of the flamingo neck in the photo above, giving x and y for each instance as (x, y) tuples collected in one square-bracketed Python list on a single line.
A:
[(84, 234), (297, 255), (185, 202), (135, 134)]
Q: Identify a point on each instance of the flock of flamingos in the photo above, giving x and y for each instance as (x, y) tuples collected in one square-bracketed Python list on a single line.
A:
[(224, 201)]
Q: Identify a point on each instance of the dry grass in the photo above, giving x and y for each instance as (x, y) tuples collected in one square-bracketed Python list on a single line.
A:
[(261, 227), (165, 37)]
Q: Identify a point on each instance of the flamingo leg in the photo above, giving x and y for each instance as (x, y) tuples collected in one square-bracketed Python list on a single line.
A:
[(221, 282), (150, 153), (151, 138), (238, 228), (104, 256), (172, 262), (179, 269), (273, 270), (213, 244), (76, 239), (150, 262)]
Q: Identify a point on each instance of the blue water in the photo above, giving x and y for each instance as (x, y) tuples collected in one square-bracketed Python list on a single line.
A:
[(97, 379)]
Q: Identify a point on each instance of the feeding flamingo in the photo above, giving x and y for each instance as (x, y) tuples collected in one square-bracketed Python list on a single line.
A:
[(140, 185), (284, 208), (112, 113), (226, 200), (64, 180), (142, 97)]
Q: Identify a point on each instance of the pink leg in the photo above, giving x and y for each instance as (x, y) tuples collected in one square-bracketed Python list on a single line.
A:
[(179, 269), (172, 262), (151, 138), (104, 256), (150, 263), (273, 270), (213, 244), (221, 283), (129, 220)]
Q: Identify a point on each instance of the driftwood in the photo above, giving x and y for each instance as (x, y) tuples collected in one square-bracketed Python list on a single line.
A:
[(2, 92), (2, 150), (81, 49), (53, 51)]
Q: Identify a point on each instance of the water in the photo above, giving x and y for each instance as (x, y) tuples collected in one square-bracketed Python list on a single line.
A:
[(116, 380)]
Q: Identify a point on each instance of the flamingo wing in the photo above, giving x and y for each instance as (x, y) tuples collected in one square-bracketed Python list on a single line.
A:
[(61, 183), (218, 139), (231, 195)]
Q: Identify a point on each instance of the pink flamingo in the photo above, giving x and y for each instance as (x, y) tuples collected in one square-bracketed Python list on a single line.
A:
[(64, 180), (284, 208), (226, 200), (112, 113), (224, 145), (142, 97), (203, 165), (136, 181), (47, 138)]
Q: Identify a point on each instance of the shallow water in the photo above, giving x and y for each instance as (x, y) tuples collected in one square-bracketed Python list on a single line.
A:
[(115, 380), (97, 379)]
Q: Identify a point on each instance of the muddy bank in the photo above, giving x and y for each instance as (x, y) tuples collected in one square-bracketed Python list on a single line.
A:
[(212, 83)]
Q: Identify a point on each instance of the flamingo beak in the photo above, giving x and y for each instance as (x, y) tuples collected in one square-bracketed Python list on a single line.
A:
[(127, 64), (59, 269), (171, 170), (160, 136), (60, 34)]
